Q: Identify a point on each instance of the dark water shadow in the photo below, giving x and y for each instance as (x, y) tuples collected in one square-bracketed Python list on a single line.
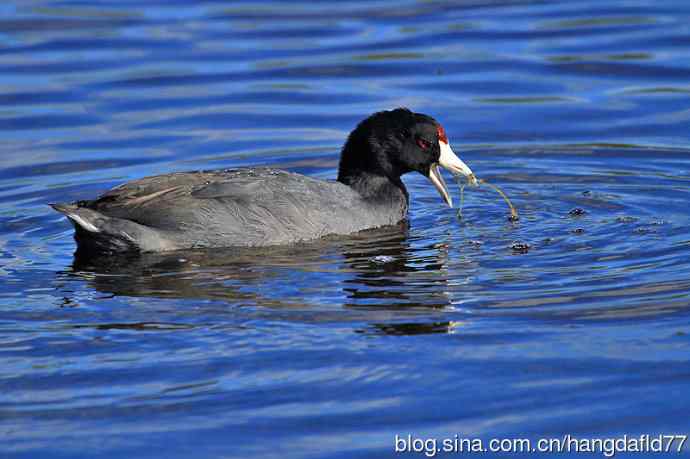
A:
[(378, 276)]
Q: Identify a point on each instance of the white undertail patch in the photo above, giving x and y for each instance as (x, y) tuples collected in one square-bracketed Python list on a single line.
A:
[(83, 223)]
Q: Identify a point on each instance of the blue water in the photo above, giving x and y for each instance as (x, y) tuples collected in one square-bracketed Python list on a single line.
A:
[(575, 320)]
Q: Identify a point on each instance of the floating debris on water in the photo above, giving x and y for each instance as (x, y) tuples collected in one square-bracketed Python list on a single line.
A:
[(520, 247), (577, 212)]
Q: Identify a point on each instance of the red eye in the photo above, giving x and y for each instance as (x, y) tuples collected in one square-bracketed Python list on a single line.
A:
[(423, 144)]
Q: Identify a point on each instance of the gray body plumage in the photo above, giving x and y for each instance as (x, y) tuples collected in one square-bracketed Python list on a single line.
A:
[(228, 208)]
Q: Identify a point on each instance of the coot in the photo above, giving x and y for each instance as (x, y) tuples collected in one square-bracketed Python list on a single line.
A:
[(262, 206)]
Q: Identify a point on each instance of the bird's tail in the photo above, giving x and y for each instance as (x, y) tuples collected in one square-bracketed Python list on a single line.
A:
[(96, 232), (82, 217)]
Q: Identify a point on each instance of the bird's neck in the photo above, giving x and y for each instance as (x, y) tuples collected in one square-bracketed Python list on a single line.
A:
[(369, 172), (375, 187)]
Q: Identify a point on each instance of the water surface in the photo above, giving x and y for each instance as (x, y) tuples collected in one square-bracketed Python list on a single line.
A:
[(574, 320)]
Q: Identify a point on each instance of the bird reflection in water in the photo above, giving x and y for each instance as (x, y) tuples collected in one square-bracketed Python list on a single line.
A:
[(379, 277)]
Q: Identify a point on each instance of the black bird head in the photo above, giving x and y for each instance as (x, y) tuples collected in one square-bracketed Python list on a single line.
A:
[(393, 143)]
